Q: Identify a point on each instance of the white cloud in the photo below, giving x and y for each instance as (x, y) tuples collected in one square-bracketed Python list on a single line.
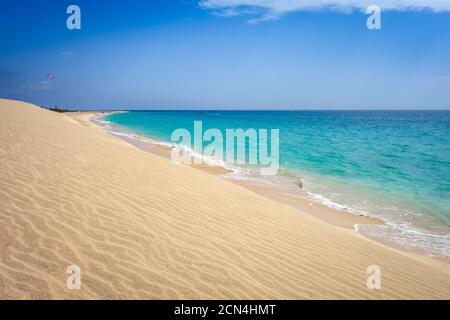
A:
[(273, 9)]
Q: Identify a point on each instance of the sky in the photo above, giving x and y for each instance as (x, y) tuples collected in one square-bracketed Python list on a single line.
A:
[(226, 54)]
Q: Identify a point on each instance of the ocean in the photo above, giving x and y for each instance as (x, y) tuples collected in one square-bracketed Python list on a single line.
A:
[(393, 165)]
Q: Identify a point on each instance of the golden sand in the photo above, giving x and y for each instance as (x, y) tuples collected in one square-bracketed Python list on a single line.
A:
[(140, 226)]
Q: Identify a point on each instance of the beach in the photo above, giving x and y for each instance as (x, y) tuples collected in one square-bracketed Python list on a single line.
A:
[(219, 168), (379, 172), (140, 227)]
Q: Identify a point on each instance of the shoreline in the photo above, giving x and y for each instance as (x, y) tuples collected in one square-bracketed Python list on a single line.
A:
[(335, 217), (315, 208)]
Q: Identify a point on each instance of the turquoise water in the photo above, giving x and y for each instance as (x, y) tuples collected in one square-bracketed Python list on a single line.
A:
[(390, 164)]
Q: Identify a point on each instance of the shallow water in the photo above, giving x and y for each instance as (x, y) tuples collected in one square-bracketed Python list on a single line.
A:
[(390, 164)]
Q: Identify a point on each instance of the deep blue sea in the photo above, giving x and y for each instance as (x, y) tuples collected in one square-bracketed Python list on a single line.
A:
[(390, 164)]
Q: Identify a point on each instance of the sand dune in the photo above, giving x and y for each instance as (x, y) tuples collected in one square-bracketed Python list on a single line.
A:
[(139, 226)]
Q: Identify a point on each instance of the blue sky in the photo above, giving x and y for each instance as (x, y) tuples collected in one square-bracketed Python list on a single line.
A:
[(226, 54)]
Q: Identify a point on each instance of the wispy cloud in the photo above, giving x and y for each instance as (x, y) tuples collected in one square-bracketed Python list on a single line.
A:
[(35, 86), (274, 9), (67, 54)]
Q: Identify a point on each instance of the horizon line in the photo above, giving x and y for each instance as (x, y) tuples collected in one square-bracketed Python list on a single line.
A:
[(230, 110)]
